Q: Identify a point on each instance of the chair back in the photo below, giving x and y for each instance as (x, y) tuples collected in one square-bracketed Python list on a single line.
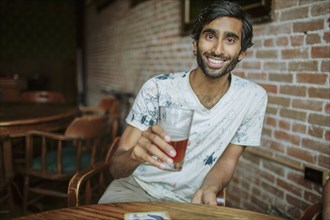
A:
[(54, 157), (6, 176), (42, 97), (87, 186), (87, 127)]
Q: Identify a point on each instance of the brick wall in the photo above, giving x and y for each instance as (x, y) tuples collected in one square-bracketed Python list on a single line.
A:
[(290, 59)]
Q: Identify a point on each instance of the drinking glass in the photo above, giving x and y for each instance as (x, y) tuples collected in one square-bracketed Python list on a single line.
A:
[(176, 122)]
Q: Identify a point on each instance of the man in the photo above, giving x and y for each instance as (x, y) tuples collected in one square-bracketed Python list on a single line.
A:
[(228, 116)]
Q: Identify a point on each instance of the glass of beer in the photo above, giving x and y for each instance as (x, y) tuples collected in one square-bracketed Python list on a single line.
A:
[(176, 122)]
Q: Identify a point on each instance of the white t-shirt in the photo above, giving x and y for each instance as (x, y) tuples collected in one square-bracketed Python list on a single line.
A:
[(237, 118)]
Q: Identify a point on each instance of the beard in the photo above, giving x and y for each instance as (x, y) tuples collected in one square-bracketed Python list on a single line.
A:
[(215, 73)]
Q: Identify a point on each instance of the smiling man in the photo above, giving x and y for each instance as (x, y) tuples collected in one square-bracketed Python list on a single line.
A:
[(229, 113)]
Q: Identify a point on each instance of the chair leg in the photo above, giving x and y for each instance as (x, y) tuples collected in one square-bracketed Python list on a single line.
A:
[(25, 193)]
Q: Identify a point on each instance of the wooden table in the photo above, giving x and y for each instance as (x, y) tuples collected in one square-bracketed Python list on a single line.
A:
[(175, 210), (16, 119)]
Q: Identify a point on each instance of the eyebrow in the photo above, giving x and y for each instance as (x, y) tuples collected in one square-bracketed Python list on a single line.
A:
[(227, 33)]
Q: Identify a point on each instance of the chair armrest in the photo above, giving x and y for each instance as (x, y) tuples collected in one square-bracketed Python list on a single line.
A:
[(48, 135), (76, 182), (91, 110)]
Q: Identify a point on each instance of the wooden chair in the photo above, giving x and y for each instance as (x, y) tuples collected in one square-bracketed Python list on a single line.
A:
[(42, 97), (6, 178), (87, 186), (52, 157), (108, 106)]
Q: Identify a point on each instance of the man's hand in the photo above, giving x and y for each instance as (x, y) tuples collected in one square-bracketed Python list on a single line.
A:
[(206, 195), (153, 147)]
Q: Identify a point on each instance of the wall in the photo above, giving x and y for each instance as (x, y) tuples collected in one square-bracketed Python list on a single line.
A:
[(38, 41), (290, 59)]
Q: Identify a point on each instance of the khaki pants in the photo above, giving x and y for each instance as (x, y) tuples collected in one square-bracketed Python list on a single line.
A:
[(125, 190)]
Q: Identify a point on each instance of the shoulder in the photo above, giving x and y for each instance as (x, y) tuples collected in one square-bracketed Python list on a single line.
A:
[(170, 76), (248, 86)]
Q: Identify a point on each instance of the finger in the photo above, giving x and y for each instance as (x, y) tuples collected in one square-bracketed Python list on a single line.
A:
[(148, 152), (197, 197), (158, 141), (209, 198)]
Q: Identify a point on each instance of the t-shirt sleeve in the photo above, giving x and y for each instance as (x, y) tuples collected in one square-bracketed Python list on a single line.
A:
[(144, 112), (249, 132)]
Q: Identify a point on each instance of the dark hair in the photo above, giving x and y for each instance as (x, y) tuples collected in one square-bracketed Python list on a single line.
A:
[(224, 9)]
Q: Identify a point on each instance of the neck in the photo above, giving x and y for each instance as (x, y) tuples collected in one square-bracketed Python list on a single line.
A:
[(209, 91)]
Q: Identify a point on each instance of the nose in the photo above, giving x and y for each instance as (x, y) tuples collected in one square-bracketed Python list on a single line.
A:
[(218, 48)]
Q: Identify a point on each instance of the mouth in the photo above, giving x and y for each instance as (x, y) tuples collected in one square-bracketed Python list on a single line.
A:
[(215, 63)]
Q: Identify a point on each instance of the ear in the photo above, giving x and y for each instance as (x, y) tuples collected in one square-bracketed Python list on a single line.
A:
[(194, 45), (241, 55)]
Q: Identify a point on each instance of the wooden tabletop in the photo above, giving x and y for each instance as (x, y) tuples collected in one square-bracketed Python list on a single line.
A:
[(175, 211), (18, 118)]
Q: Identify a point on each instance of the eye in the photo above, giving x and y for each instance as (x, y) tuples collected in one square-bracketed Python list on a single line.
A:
[(230, 40), (209, 36)]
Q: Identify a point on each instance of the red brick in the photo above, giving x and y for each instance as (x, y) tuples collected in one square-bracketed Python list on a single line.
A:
[(325, 66), (321, 52), (293, 114), (315, 131), (313, 39), (293, 90), (294, 13), (297, 40), (281, 135), (281, 77), (284, 125), (318, 146), (327, 135), (251, 65), (323, 120), (312, 78), (301, 154), (270, 121), (291, 188), (307, 104), (312, 197), (282, 41), (304, 66), (299, 128), (324, 161), (268, 42), (266, 54), (321, 9), (282, 101), (326, 37), (299, 180), (294, 53), (323, 93), (296, 202), (269, 88), (277, 147), (305, 27), (275, 65)]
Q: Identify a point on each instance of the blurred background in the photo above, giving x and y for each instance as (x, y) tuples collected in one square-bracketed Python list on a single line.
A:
[(95, 48)]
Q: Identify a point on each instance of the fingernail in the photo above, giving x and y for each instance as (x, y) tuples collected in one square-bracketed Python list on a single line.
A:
[(163, 166), (169, 161), (172, 153), (167, 138)]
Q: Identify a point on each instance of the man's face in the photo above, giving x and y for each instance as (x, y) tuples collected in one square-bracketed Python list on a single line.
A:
[(219, 47)]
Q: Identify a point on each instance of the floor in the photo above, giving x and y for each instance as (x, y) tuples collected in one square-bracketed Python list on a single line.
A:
[(44, 204)]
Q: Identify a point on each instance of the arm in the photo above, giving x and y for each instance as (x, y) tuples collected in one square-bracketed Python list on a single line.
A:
[(137, 147), (219, 176)]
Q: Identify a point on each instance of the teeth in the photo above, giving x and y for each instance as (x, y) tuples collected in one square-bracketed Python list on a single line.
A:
[(215, 61)]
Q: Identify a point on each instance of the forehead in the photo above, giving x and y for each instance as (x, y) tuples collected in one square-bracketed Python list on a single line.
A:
[(225, 24)]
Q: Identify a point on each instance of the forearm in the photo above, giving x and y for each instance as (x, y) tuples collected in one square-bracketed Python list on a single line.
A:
[(218, 179), (122, 165)]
